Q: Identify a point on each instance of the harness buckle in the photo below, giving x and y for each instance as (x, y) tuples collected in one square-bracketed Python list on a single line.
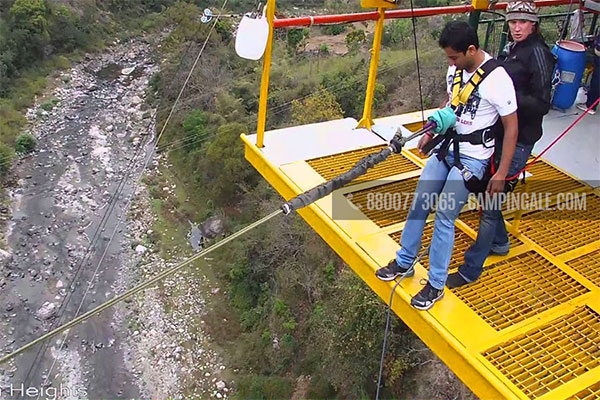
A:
[(487, 136), (466, 174)]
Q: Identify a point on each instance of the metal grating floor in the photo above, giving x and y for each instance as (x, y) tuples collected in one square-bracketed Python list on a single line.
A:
[(331, 166), (389, 216), (518, 288), (545, 358), (561, 233), (471, 218), (462, 242), (547, 178), (416, 153), (530, 321), (589, 393), (588, 265)]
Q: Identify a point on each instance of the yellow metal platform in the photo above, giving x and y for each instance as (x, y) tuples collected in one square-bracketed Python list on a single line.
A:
[(529, 328)]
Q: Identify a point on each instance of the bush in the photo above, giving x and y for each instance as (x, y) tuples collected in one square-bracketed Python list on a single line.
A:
[(48, 105), (396, 33), (355, 39), (265, 387), (324, 49), (224, 169), (6, 157), (296, 38), (25, 143), (319, 108), (333, 29), (11, 122)]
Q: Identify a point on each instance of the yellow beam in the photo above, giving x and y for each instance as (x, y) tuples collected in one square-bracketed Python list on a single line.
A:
[(264, 83), (482, 381), (480, 4), (366, 120), (378, 4)]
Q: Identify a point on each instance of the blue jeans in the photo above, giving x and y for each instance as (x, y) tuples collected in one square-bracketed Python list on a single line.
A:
[(447, 186), (492, 233)]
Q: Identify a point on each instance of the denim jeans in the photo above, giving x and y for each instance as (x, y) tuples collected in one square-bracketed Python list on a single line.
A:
[(492, 233), (447, 186)]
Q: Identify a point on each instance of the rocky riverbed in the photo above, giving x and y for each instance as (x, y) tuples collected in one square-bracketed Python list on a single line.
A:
[(93, 128)]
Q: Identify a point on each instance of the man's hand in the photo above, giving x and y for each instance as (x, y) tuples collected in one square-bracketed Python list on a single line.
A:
[(423, 141), (444, 119), (496, 184)]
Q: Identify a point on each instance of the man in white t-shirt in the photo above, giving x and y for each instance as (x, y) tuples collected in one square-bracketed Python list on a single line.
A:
[(445, 176)]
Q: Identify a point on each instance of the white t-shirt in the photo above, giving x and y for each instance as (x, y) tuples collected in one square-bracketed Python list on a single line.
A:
[(494, 96)]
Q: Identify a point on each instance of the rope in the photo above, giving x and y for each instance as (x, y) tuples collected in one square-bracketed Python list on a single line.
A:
[(414, 26), (525, 168), (138, 288), (387, 322)]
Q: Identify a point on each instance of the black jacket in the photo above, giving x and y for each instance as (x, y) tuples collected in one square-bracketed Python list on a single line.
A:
[(530, 64)]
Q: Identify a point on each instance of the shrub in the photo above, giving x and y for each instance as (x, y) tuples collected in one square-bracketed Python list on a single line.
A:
[(265, 387), (25, 143), (355, 38), (48, 105), (333, 29), (296, 38), (6, 157)]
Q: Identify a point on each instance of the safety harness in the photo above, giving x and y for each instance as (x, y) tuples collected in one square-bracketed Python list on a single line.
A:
[(460, 96)]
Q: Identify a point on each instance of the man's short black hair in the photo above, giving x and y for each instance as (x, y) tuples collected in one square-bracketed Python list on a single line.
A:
[(459, 36)]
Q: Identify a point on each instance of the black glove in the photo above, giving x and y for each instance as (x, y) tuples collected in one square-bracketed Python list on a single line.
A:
[(396, 145)]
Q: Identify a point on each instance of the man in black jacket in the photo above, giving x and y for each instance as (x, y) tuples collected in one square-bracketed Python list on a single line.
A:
[(530, 64)]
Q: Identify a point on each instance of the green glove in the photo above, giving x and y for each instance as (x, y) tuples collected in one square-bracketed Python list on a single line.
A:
[(444, 120)]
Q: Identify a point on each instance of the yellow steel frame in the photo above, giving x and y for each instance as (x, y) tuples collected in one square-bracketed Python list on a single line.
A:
[(378, 4), (480, 4), (366, 120), (452, 330), (480, 380), (264, 83)]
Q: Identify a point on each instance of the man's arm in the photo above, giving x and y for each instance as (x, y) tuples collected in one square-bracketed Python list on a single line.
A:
[(511, 130)]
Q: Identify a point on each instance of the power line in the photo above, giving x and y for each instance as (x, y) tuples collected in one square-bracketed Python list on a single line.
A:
[(164, 127), (145, 285), (111, 205)]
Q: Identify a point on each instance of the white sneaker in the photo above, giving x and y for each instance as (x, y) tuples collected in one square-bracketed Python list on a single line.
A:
[(583, 107)]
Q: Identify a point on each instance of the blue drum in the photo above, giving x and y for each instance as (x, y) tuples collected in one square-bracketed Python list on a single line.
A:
[(569, 71)]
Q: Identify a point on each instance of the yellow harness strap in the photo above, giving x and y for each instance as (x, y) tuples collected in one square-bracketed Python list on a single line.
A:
[(460, 96)]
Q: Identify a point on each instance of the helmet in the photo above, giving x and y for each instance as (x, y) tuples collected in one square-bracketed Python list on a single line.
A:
[(525, 10)]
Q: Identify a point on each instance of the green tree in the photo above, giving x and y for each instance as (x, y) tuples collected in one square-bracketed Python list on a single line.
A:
[(65, 30), (29, 30), (318, 108), (350, 90), (7, 57), (30, 15), (396, 32), (226, 173)]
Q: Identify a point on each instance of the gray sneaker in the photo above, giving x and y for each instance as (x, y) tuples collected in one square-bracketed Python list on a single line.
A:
[(427, 297), (393, 271)]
